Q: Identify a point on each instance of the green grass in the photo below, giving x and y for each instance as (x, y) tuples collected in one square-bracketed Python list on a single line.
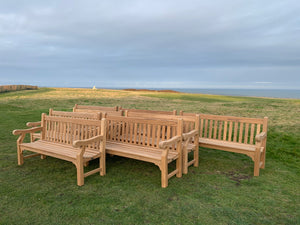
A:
[(222, 190)]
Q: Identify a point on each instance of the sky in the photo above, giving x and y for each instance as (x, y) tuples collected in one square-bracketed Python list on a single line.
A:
[(150, 43)]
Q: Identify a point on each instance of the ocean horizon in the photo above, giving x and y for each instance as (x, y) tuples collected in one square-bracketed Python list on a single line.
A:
[(268, 93)]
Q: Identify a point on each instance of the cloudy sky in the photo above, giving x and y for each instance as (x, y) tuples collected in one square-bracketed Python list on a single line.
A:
[(149, 43)]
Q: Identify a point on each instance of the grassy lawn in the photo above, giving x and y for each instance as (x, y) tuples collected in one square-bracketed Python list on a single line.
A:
[(222, 190)]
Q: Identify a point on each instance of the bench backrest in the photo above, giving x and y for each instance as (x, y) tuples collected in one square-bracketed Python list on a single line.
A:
[(82, 115), (143, 132), (87, 108), (189, 122), (65, 130), (230, 128), (105, 111), (174, 112)]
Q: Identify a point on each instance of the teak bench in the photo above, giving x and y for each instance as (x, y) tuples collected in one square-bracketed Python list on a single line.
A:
[(74, 140), (155, 141), (235, 134), (190, 133)]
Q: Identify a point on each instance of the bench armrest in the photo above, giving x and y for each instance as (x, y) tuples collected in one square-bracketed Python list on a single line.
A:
[(186, 136), (261, 136), (33, 124), (170, 142), (26, 131), (86, 142)]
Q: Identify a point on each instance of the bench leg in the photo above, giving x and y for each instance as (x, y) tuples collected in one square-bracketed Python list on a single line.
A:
[(263, 159), (102, 165), (80, 175), (184, 160), (43, 157), (20, 156), (164, 173), (178, 166), (256, 162), (196, 156)]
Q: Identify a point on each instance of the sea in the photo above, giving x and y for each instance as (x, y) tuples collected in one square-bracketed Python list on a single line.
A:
[(270, 93)]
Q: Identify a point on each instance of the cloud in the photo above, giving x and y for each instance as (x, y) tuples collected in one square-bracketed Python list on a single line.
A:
[(209, 42)]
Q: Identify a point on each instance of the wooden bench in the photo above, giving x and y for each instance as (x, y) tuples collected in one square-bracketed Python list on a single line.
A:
[(74, 140), (190, 133), (155, 141), (235, 134), (79, 115)]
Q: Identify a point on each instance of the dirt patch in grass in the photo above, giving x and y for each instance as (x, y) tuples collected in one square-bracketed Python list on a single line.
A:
[(237, 177)]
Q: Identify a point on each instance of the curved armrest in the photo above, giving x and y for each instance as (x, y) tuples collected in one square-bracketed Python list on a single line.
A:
[(25, 131), (261, 136), (190, 134), (170, 142), (33, 124), (86, 142)]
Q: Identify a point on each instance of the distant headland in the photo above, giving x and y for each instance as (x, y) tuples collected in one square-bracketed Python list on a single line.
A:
[(168, 91)]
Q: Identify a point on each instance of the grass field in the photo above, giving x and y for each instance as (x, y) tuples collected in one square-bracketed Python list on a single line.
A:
[(222, 190)]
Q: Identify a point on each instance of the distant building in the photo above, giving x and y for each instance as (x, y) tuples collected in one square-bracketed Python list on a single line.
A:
[(94, 88)]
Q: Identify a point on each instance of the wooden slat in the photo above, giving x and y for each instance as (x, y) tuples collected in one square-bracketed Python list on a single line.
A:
[(65, 133), (144, 134), (163, 135), (230, 131), (130, 132), (210, 128), (149, 127), (252, 133), (258, 128), (235, 131), (158, 134), (246, 133), (220, 129), (215, 129), (124, 125), (241, 132), (201, 128), (135, 133), (225, 131), (153, 135), (168, 132), (205, 128)]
